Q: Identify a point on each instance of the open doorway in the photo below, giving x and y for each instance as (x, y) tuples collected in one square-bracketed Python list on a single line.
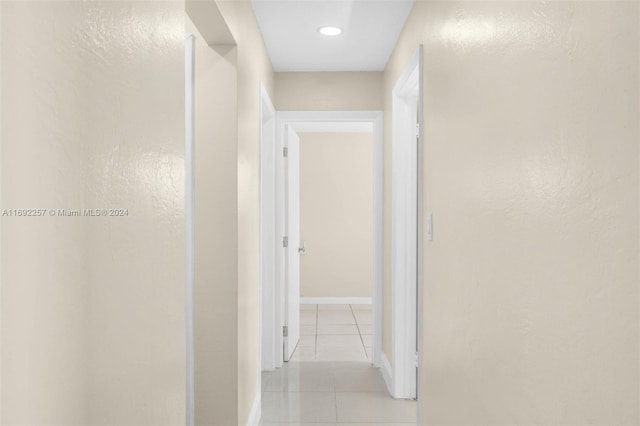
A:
[(328, 370), (365, 305), (336, 243)]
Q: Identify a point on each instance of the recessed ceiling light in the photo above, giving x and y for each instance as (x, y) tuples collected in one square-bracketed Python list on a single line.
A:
[(330, 31)]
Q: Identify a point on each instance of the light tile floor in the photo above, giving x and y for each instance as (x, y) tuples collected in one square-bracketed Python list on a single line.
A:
[(330, 379), (331, 393), (334, 333)]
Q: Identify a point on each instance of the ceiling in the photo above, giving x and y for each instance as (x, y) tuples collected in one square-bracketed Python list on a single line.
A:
[(290, 31)]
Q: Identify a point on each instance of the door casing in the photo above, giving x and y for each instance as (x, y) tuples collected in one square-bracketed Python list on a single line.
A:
[(323, 121), (406, 228), (268, 275)]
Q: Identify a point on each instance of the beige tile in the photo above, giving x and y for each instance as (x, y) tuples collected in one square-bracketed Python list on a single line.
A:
[(266, 376), (365, 328), (364, 317), (339, 341), (340, 354), (350, 365), (307, 341), (362, 308), (302, 379), (362, 380), (299, 407), (307, 317), (367, 339), (307, 330), (305, 307), (337, 329), (333, 307), (372, 407), (304, 354), (327, 366), (335, 317)]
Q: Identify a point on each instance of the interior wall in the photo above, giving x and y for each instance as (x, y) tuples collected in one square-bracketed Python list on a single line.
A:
[(329, 91), (531, 146), (133, 105), (216, 228), (43, 266), (254, 67), (93, 307), (336, 220)]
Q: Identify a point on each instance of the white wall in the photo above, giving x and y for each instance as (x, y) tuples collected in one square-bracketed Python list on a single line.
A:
[(531, 171), (336, 204), (93, 308)]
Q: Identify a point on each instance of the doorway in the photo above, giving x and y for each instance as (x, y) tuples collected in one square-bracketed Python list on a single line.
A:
[(336, 223), (331, 346), (289, 124)]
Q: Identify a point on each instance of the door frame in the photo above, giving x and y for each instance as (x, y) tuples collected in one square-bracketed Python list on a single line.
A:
[(268, 241), (406, 220), (322, 121)]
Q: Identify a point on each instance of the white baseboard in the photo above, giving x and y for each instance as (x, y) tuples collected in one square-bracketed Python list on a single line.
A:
[(256, 410), (387, 374), (335, 300)]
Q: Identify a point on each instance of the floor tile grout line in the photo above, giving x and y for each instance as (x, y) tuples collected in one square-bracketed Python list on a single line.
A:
[(335, 394), (359, 333), (315, 347)]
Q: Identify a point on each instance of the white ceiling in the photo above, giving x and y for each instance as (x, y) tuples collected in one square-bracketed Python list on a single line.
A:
[(371, 28)]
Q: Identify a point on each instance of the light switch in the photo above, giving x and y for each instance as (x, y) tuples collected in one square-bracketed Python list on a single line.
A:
[(429, 226)]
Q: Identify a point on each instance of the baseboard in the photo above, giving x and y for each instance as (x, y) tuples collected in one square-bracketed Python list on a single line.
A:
[(387, 374), (256, 410), (335, 301)]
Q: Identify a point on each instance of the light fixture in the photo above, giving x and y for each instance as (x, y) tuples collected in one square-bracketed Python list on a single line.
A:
[(330, 31)]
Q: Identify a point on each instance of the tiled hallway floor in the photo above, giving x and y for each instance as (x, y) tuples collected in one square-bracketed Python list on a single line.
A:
[(331, 393), (334, 333), (330, 379)]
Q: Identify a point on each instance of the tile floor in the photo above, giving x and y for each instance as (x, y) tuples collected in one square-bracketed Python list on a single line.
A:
[(330, 379), (331, 393), (334, 333)]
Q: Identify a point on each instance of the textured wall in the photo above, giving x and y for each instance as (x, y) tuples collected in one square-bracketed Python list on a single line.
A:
[(44, 357), (136, 264), (216, 227), (93, 308), (531, 171), (329, 91), (253, 67), (336, 219)]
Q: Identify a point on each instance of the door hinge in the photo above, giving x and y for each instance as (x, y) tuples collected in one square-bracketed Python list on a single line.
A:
[(285, 152), (415, 360), (285, 241), (418, 130), (285, 331)]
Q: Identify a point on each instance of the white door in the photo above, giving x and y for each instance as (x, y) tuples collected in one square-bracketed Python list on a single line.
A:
[(292, 255)]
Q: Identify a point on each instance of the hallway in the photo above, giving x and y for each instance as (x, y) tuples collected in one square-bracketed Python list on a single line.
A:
[(430, 209)]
